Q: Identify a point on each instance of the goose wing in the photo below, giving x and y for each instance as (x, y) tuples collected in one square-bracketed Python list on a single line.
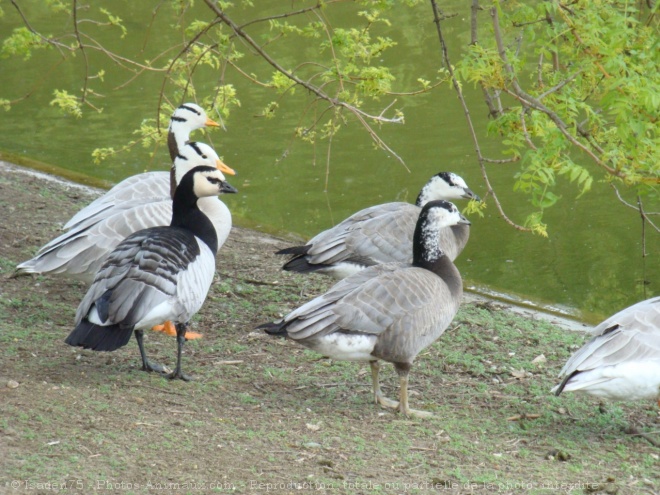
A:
[(380, 234), (630, 335), (644, 314), (156, 274), (364, 235), (405, 305), (154, 185), (81, 251)]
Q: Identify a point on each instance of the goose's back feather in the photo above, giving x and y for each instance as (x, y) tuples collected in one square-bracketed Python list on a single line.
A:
[(141, 187), (154, 275), (379, 234), (633, 333), (399, 310)]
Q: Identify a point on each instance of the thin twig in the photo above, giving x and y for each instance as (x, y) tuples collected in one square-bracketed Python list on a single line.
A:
[(361, 115), (466, 111), (639, 208), (559, 86), (81, 47)]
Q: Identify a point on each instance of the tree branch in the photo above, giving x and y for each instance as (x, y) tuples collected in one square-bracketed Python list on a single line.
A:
[(466, 111), (50, 41), (359, 114), (534, 103), (81, 47)]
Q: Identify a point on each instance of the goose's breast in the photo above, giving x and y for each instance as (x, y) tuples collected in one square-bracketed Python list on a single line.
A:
[(219, 215)]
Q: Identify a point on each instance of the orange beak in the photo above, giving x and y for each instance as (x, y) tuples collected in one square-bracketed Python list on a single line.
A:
[(224, 168), (211, 123)]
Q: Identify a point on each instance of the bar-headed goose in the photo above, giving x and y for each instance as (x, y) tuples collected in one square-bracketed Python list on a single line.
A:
[(156, 274), (388, 312), (79, 252), (158, 185), (622, 360), (380, 234)]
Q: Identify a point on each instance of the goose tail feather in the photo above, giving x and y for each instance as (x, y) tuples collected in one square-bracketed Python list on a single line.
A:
[(301, 265), (277, 328), (297, 250), (89, 335)]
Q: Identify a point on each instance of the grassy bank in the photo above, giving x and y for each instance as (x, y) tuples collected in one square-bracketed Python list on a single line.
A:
[(265, 415)]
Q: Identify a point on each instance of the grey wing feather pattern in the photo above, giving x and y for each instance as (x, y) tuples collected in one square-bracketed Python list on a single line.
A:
[(146, 186), (631, 334), (380, 234), (141, 273), (344, 241), (408, 308), (82, 250), (317, 317)]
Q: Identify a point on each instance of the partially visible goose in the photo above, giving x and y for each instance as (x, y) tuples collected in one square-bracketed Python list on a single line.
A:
[(156, 274), (622, 360), (80, 252), (158, 185), (388, 312), (380, 234)]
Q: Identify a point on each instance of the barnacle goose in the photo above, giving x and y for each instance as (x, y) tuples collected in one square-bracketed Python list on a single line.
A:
[(155, 274), (388, 312)]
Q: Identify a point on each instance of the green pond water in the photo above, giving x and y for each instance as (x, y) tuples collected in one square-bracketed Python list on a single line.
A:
[(590, 266)]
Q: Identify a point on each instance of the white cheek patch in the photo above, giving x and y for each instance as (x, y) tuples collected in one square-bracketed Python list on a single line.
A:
[(203, 187)]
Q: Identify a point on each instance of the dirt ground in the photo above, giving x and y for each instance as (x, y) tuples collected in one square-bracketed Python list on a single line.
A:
[(267, 416)]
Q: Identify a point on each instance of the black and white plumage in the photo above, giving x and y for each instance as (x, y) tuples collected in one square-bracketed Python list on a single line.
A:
[(387, 312), (622, 360), (156, 274), (380, 234), (139, 202), (79, 252)]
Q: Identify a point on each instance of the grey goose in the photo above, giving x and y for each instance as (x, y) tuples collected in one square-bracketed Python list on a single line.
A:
[(141, 201), (388, 312), (622, 360), (380, 234)]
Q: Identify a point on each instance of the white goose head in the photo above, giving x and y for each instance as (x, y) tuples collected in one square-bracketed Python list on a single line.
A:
[(194, 154), (435, 216), (185, 119), (209, 181), (447, 186), (200, 182)]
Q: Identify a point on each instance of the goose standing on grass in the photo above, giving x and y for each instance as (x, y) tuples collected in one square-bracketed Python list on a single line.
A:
[(380, 234), (388, 312), (138, 202), (156, 274), (622, 360), (80, 252)]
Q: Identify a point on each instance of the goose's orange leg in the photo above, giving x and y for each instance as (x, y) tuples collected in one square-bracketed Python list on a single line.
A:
[(168, 328)]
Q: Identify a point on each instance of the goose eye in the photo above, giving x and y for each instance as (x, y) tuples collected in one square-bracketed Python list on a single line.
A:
[(204, 156)]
